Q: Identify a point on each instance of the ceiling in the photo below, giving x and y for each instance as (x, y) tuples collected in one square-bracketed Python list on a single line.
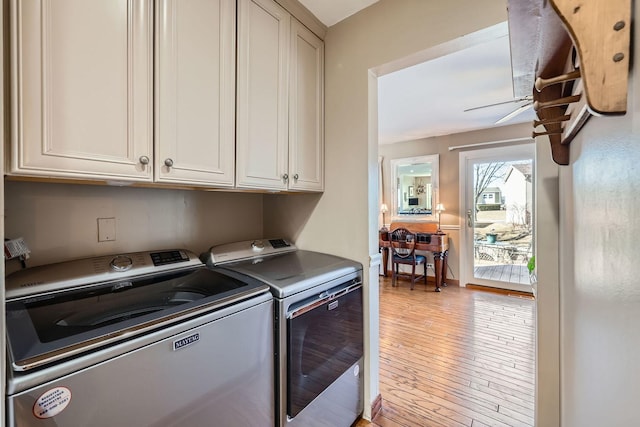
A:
[(430, 98), (331, 12)]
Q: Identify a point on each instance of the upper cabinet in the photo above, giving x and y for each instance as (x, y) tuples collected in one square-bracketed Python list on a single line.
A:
[(81, 90), (147, 90), (195, 92), (263, 104), (306, 110), (279, 138)]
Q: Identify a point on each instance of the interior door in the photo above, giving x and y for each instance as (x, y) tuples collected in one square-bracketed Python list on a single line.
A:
[(498, 216)]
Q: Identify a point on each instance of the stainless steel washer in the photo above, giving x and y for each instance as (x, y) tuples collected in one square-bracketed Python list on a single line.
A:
[(319, 328), (140, 339)]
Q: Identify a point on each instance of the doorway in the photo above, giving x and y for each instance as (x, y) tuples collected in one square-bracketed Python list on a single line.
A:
[(497, 190)]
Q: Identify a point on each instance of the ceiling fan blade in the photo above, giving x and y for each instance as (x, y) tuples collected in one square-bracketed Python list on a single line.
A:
[(521, 109), (489, 105), (526, 98)]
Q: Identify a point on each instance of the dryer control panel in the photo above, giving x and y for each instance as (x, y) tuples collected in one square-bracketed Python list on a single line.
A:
[(247, 249)]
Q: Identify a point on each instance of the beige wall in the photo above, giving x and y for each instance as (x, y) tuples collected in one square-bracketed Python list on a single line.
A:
[(449, 173), (344, 221), (59, 221)]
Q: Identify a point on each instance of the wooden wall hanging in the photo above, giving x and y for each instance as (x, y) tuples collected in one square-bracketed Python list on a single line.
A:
[(574, 56)]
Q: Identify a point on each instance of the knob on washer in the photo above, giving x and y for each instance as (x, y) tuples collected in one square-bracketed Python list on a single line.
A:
[(121, 263), (257, 245)]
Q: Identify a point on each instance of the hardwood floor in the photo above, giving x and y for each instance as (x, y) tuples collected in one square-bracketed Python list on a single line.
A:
[(456, 358)]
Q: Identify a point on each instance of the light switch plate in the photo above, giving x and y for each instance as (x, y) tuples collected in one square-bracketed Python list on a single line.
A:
[(106, 229)]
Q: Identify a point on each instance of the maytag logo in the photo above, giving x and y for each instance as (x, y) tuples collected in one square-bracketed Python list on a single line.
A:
[(186, 341)]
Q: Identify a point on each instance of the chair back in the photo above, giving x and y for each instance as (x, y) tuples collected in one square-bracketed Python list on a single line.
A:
[(403, 243)]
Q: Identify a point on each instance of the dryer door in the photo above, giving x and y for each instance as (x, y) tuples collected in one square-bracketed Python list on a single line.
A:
[(324, 340)]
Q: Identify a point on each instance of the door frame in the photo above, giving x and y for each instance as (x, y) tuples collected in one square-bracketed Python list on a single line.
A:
[(510, 152)]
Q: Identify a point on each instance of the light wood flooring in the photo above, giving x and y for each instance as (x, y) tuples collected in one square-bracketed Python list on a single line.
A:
[(456, 358)]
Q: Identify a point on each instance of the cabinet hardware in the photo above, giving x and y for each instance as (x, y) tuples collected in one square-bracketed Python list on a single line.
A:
[(168, 163), (144, 160)]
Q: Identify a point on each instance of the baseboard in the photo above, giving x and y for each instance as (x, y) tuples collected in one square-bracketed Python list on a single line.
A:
[(509, 292), (430, 280), (376, 406)]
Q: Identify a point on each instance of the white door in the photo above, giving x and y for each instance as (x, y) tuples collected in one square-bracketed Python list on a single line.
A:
[(497, 190), (81, 89), (195, 92)]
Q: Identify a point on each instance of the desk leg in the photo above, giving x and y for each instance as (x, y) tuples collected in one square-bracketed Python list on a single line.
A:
[(445, 267), (440, 265), (385, 261)]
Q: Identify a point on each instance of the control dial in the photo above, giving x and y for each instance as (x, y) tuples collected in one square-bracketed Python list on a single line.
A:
[(121, 263), (257, 245)]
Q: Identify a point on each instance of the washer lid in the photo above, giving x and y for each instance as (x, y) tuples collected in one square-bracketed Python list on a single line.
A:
[(293, 272), (50, 327)]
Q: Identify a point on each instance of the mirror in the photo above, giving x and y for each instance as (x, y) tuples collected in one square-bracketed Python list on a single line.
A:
[(415, 182)]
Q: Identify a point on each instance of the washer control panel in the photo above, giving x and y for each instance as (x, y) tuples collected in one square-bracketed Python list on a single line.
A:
[(169, 257), (64, 275)]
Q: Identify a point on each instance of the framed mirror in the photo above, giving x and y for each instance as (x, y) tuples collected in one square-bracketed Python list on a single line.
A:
[(414, 182)]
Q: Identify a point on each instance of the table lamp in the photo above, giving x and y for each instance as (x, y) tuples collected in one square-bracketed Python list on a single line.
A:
[(383, 209), (439, 208)]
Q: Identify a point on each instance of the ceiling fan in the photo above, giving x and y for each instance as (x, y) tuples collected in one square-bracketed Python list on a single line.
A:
[(528, 103)]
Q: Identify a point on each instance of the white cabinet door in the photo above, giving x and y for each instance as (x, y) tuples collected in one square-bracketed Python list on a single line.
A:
[(195, 92), (262, 122), (306, 110), (82, 88)]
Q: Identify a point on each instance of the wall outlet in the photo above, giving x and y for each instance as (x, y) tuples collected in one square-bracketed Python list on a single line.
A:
[(106, 229)]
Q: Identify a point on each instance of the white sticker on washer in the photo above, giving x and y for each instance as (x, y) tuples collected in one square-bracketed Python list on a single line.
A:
[(52, 402)]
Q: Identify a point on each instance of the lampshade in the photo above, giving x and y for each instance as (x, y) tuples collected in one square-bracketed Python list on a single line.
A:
[(440, 207), (384, 208)]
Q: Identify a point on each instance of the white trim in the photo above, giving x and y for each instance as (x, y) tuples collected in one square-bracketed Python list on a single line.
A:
[(496, 153), (434, 159), (450, 227), (480, 144), (375, 260)]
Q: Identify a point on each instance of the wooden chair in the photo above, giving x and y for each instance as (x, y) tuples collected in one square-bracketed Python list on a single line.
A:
[(403, 251)]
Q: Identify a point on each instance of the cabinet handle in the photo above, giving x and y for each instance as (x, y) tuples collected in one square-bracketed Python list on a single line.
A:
[(295, 177), (168, 163), (285, 177), (144, 160)]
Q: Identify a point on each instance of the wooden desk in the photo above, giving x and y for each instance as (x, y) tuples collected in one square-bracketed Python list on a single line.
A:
[(438, 244)]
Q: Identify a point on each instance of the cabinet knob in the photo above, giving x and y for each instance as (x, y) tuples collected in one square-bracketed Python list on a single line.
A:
[(295, 177), (285, 177), (144, 160), (168, 163)]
